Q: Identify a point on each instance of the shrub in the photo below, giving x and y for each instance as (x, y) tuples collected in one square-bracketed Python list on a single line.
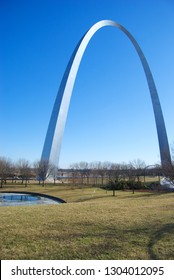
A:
[(123, 185)]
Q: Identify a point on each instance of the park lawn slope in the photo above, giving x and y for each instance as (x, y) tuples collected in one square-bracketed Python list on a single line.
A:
[(96, 226)]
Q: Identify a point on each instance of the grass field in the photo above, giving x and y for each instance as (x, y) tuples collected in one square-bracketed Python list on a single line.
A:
[(91, 225)]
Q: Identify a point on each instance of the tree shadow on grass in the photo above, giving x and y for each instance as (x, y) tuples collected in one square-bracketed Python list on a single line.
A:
[(166, 230), (128, 195), (112, 242), (139, 194)]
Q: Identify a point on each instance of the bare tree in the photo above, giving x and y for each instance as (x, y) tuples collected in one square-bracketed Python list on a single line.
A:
[(84, 171), (54, 172), (43, 170), (75, 171), (138, 166), (168, 170), (103, 170), (80, 169), (5, 169), (116, 171), (24, 170), (99, 169), (94, 171)]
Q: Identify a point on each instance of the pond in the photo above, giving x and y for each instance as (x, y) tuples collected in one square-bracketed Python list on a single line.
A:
[(14, 199)]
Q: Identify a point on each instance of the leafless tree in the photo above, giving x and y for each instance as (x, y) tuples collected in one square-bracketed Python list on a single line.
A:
[(168, 171), (80, 169), (43, 170), (138, 166), (24, 170), (98, 170), (54, 172), (116, 171), (5, 169), (169, 168), (75, 171), (84, 170), (103, 168)]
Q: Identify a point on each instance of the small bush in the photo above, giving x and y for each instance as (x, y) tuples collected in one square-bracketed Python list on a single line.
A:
[(124, 185)]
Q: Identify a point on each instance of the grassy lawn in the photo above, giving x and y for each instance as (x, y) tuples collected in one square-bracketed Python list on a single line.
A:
[(92, 225)]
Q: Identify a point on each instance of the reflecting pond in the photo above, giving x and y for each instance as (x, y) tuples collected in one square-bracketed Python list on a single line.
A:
[(13, 199)]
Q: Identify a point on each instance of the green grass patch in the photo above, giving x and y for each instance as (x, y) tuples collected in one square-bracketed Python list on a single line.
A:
[(92, 225)]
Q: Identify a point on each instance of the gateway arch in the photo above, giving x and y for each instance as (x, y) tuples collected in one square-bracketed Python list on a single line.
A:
[(53, 140)]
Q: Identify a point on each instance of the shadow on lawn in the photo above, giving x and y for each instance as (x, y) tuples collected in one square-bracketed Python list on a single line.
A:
[(112, 242), (168, 229), (127, 194), (139, 194)]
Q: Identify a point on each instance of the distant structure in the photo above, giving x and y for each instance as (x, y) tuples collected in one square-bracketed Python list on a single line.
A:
[(53, 140)]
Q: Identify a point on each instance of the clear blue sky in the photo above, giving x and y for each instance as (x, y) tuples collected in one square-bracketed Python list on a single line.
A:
[(110, 116)]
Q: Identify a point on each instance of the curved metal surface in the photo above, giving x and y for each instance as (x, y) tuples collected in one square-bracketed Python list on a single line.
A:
[(53, 140)]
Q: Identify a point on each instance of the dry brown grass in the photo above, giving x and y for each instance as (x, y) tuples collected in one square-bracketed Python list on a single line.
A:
[(92, 225)]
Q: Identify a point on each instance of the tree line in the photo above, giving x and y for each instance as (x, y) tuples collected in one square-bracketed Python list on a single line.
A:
[(82, 172), (22, 170)]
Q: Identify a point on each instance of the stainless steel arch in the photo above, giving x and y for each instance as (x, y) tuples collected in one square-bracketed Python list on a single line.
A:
[(53, 140)]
